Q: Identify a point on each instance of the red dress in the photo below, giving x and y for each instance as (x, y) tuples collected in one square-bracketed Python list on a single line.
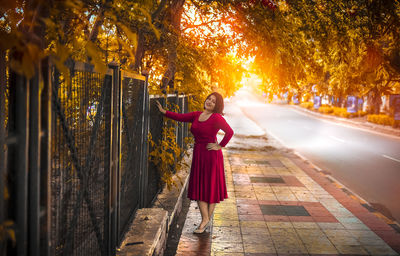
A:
[(207, 176)]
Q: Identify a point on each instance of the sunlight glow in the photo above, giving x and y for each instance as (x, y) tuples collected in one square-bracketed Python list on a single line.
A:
[(251, 82)]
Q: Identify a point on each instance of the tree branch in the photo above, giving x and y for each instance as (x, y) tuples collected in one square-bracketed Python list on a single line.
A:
[(202, 24)]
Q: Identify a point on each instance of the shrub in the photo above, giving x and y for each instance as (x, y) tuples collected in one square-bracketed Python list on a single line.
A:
[(325, 109), (342, 112), (361, 113), (381, 119), (307, 105)]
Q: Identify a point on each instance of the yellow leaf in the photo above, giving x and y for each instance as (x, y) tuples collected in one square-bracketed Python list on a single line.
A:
[(127, 47), (62, 52), (48, 22), (11, 234), (95, 54), (148, 16), (132, 37)]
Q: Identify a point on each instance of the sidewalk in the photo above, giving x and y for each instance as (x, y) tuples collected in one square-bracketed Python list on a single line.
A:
[(280, 204)]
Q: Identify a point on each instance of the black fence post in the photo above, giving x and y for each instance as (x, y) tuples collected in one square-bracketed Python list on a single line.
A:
[(34, 165), (112, 229), (145, 152), (177, 124), (185, 125), (18, 160), (45, 161)]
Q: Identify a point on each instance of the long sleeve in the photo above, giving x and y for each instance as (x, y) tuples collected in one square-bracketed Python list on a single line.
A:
[(187, 117), (223, 125)]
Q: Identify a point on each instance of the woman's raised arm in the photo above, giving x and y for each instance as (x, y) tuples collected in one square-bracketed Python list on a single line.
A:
[(188, 117)]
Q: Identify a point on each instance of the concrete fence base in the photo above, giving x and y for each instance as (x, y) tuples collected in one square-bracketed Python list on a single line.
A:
[(148, 233)]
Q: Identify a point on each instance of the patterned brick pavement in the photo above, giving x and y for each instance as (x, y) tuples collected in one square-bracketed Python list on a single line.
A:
[(280, 205)]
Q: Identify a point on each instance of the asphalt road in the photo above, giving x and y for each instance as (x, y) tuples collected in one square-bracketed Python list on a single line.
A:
[(366, 163)]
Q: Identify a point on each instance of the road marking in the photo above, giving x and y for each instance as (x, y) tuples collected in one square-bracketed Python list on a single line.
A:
[(391, 158), (335, 138)]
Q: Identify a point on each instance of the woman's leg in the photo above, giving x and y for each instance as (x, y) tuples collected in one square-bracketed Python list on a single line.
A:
[(204, 213), (211, 208)]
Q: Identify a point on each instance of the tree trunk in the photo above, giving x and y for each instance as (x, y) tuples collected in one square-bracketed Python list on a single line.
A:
[(374, 101), (175, 17), (141, 47), (139, 50)]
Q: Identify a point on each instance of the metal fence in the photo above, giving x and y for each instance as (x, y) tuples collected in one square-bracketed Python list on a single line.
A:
[(173, 101), (80, 161), (74, 157), (133, 146)]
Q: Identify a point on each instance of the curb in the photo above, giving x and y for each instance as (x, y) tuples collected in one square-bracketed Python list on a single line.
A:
[(393, 223), (365, 126), (380, 129)]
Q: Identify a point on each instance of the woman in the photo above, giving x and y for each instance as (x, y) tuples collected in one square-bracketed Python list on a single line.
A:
[(207, 178)]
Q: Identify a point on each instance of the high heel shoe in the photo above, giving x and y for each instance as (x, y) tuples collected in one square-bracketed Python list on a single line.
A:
[(200, 231)]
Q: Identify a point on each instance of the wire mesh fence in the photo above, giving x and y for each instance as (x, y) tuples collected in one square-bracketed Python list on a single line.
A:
[(132, 147), (79, 161), (155, 130), (80, 193)]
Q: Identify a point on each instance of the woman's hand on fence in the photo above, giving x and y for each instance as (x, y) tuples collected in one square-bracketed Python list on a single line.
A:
[(162, 110), (213, 146)]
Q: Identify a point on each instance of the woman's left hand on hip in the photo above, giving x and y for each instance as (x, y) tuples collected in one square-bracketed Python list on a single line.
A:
[(213, 146)]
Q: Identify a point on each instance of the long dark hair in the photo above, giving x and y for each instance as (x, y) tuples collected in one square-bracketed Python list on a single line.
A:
[(219, 103)]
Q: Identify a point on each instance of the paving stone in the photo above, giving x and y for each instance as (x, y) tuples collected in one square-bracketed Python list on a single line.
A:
[(367, 237), (384, 250), (351, 249), (249, 209), (282, 232), (262, 189), (259, 248), (276, 218), (289, 245), (251, 217), (355, 226), (345, 240), (321, 247), (225, 216), (227, 247), (262, 238), (253, 224), (286, 210), (286, 197), (227, 254), (267, 180), (309, 235), (245, 194), (226, 234), (225, 223), (245, 188), (266, 196), (305, 225), (252, 230), (279, 224), (272, 210)]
